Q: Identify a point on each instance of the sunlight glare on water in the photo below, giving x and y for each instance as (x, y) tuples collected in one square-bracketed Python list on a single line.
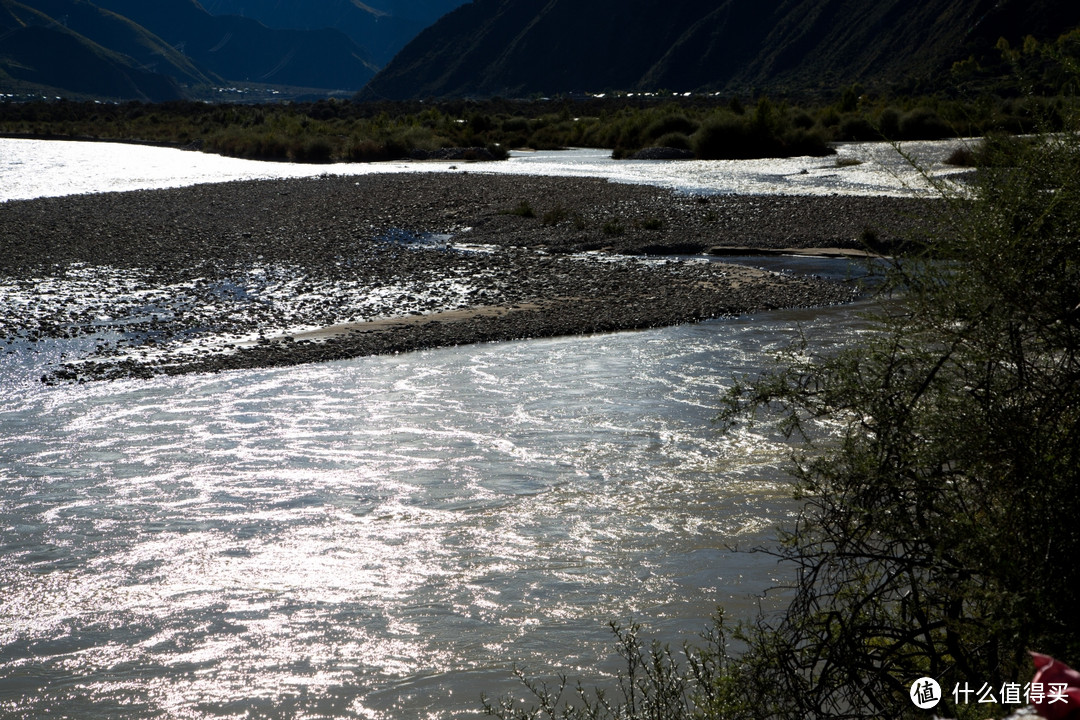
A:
[(384, 537), (358, 539), (42, 168)]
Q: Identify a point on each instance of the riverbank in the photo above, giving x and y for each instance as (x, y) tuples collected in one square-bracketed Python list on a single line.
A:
[(265, 273)]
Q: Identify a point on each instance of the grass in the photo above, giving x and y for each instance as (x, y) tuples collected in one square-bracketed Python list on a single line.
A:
[(523, 209), (613, 228)]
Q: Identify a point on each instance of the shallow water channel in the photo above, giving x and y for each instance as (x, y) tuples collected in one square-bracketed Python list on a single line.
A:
[(383, 537)]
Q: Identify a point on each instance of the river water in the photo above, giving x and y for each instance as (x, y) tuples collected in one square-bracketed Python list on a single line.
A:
[(36, 168), (384, 537)]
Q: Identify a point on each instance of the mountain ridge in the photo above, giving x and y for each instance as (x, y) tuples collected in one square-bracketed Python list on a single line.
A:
[(118, 49), (382, 27), (40, 52), (530, 47), (240, 48)]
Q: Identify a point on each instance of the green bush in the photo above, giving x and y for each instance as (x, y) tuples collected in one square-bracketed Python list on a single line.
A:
[(671, 124), (386, 131), (723, 137), (732, 137), (923, 124), (523, 209), (653, 685), (889, 123), (676, 140), (311, 150), (613, 228), (961, 157), (515, 125), (939, 534), (797, 142), (857, 128), (368, 151), (253, 145), (802, 119)]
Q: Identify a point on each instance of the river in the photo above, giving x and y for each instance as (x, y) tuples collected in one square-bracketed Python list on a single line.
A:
[(384, 537)]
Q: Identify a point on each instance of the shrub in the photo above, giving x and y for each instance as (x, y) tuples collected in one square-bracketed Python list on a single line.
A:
[(550, 137), (722, 137), (515, 125), (311, 150), (255, 145), (676, 140), (998, 150), (671, 124), (269, 146), (523, 209), (654, 684), (804, 142), (613, 228), (961, 157), (857, 128), (923, 124), (560, 214), (995, 151), (733, 137), (889, 123), (367, 151), (802, 119), (939, 534), (411, 137)]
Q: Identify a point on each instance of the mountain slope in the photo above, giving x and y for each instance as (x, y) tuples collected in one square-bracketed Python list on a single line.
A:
[(43, 55), (133, 49), (519, 47), (119, 34), (816, 43), (381, 27), (242, 49)]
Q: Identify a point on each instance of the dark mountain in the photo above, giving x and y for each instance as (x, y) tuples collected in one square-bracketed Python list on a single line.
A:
[(521, 47), (68, 46), (135, 49), (243, 49), (382, 27), (829, 43)]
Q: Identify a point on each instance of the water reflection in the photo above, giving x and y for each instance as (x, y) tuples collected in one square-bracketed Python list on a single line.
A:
[(46, 168), (359, 539), (378, 538)]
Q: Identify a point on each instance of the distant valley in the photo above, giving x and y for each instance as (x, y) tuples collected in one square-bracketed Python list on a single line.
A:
[(381, 27), (171, 49), (439, 49)]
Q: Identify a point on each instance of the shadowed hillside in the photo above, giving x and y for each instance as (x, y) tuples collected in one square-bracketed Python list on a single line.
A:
[(126, 49), (89, 52), (243, 49), (521, 47)]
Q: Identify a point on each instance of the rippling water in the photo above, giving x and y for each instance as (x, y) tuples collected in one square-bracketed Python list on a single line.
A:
[(383, 537), (379, 538), (38, 168)]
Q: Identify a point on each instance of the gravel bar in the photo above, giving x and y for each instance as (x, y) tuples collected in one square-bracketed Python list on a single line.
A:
[(267, 273)]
